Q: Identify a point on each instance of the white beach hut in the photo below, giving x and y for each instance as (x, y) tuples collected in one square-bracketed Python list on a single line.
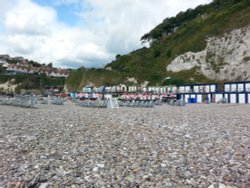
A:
[(218, 97), (232, 98), (199, 98), (242, 98), (247, 87)]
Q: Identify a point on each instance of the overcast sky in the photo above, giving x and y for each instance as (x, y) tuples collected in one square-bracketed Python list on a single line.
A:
[(73, 33)]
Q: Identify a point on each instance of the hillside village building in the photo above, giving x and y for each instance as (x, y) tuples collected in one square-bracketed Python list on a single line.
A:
[(23, 67)]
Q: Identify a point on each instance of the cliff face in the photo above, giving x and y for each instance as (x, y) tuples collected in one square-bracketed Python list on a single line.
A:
[(225, 58)]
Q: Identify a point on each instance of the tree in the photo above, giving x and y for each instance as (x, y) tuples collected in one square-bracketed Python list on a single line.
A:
[(173, 81), (50, 65), (117, 56)]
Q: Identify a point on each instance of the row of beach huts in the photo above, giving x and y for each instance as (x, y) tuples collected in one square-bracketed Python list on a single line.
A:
[(230, 92)]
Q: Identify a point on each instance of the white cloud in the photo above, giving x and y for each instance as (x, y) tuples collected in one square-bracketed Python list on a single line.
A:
[(29, 18), (65, 2), (106, 28), (125, 21)]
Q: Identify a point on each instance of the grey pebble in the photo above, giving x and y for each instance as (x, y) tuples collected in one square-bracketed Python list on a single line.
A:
[(71, 146)]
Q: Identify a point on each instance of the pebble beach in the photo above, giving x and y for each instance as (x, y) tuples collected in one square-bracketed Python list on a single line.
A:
[(199, 145)]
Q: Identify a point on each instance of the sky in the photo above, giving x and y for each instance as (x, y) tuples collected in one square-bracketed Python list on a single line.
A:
[(74, 33)]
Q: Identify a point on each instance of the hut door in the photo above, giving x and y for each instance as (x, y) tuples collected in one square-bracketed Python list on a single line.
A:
[(204, 97)]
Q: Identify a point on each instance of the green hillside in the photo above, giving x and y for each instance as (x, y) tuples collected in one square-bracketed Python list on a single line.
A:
[(29, 81), (92, 77), (187, 31)]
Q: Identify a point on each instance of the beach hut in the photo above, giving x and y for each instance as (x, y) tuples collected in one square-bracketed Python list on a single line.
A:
[(233, 87), (232, 98), (237, 92), (247, 86), (234, 92), (150, 88), (192, 99), (132, 89), (218, 97), (174, 89), (86, 89), (227, 88), (181, 89), (241, 87), (162, 90), (186, 97), (203, 97), (120, 88), (207, 88), (199, 98), (73, 94), (213, 88), (235, 97), (242, 98), (236, 87), (144, 89), (187, 89), (196, 88), (204, 88)]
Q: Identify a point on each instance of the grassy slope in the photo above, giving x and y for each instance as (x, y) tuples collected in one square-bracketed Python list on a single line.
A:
[(150, 64), (82, 77), (29, 81)]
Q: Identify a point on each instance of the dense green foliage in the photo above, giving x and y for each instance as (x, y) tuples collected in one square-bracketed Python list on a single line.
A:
[(187, 31), (169, 25), (31, 81), (4, 78), (2, 69), (92, 77)]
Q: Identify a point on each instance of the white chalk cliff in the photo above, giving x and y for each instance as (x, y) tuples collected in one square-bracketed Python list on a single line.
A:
[(224, 58)]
